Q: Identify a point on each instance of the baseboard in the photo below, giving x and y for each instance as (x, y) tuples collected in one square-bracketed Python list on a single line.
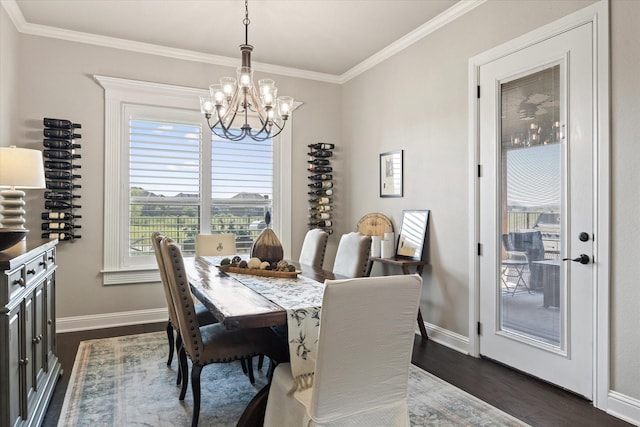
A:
[(447, 338), (624, 407), (110, 320)]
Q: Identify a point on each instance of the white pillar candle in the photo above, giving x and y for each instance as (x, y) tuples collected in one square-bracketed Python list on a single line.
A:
[(375, 246)]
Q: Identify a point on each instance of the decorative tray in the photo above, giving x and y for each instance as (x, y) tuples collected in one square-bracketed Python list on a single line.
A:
[(258, 272)]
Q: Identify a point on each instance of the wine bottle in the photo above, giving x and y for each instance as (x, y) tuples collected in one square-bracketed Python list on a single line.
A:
[(64, 226), (60, 195), (59, 143), (321, 153), (62, 185), (65, 175), (320, 215), (318, 162), (59, 205), (61, 133), (326, 192), (60, 236), (60, 165), (320, 169), (59, 215), (321, 223), (321, 184), (60, 154), (321, 177), (320, 208), (60, 124), (322, 146), (320, 200)]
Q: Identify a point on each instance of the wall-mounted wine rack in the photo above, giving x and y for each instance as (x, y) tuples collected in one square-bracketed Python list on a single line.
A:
[(60, 163), (321, 186)]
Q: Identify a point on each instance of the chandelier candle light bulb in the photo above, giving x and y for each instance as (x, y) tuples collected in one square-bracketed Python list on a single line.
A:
[(238, 98)]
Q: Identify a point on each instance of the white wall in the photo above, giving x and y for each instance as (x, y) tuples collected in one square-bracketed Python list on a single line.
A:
[(625, 218), (8, 76)]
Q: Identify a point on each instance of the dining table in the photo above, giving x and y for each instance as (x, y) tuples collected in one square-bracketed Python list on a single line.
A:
[(248, 301)]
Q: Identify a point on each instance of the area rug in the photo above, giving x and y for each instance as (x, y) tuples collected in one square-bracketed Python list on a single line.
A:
[(124, 381)]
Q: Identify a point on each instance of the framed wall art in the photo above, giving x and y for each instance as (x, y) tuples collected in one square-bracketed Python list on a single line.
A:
[(391, 174)]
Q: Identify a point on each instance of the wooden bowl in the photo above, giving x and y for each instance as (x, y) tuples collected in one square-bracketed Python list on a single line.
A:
[(11, 236)]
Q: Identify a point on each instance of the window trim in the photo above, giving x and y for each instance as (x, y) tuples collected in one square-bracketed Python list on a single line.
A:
[(119, 92)]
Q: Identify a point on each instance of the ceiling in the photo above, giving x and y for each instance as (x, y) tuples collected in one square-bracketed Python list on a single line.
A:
[(322, 36)]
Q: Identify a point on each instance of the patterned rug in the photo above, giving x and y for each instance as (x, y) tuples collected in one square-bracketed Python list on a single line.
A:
[(124, 381)]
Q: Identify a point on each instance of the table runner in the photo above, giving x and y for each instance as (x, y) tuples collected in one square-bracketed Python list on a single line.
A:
[(302, 299)]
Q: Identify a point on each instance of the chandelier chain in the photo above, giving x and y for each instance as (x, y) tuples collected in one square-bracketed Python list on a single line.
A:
[(246, 21)]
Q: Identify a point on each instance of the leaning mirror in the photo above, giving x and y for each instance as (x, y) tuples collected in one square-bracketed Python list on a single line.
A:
[(413, 232)]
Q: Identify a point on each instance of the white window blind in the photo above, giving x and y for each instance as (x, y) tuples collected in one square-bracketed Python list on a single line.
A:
[(164, 181)]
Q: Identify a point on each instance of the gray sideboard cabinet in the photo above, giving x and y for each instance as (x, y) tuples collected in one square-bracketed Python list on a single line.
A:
[(29, 366)]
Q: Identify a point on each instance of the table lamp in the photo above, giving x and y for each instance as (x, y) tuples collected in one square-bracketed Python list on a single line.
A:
[(20, 168)]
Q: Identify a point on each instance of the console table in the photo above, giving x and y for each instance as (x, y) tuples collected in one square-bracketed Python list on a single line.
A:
[(29, 367), (404, 264)]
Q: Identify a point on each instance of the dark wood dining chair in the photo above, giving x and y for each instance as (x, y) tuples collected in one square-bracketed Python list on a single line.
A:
[(212, 343), (203, 315)]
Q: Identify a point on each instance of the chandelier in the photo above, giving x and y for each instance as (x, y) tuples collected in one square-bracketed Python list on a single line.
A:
[(231, 99)]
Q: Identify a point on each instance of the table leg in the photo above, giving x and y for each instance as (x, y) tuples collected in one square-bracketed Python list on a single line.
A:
[(369, 268), (423, 330), (253, 415)]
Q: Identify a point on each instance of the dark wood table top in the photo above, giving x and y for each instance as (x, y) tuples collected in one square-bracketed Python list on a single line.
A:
[(231, 302)]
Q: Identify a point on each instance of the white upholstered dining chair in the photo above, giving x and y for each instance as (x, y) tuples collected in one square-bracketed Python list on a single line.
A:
[(360, 377), (313, 248), (352, 255), (215, 244)]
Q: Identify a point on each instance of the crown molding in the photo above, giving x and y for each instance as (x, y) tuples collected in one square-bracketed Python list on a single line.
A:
[(449, 15)]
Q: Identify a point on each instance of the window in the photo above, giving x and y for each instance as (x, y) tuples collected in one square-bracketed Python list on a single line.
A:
[(165, 172)]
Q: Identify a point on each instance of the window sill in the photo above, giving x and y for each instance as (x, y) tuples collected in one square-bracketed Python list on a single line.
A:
[(124, 277)]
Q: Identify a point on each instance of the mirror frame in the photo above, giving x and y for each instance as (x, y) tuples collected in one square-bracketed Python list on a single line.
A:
[(419, 230)]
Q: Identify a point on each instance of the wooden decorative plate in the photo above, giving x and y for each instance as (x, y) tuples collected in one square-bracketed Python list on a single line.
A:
[(258, 272), (375, 224)]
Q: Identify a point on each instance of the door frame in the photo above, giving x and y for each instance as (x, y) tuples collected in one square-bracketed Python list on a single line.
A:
[(598, 15)]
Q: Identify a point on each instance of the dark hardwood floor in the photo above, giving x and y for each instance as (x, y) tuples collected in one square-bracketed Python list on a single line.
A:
[(528, 399)]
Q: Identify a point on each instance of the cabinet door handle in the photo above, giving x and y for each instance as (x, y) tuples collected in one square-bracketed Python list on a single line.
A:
[(43, 263), (24, 361), (19, 281), (32, 271)]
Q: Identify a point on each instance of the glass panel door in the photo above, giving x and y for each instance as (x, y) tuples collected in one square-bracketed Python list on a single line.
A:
[(531, 159)]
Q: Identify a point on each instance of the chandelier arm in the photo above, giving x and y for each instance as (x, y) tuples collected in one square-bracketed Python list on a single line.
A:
[(228, 135), (226, 132)]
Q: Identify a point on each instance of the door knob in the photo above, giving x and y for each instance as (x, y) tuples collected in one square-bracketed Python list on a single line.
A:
[(582, 259)]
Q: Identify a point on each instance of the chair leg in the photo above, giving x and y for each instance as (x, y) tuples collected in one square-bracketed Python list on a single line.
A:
[(244, 366), (196, 369), (170, 339), (260, 361), (178, 348), (184, 367), (252, 379), (272, 367)]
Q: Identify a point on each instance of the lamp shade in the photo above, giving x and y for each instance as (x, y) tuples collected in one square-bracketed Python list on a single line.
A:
[(21, 168)]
